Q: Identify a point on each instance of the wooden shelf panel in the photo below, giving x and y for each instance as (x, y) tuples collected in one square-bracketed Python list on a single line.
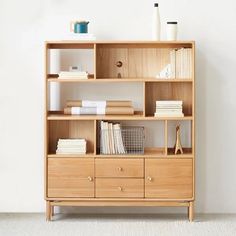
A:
[(87, 155), (54, 78), (148, 153), (137, 116), (73, 44)]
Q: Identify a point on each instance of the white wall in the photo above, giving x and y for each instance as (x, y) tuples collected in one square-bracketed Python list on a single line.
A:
[(26, 24)]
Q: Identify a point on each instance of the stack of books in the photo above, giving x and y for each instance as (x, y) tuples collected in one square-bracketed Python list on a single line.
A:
[(73, 75), (111, 141), (181, 63), (71, 146), (169, 109), (83, 36), (84, 107)]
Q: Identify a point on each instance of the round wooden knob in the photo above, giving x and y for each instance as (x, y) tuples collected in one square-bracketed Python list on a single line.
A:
[(120, 189), (119, 63), (90, 178), (120, 168), (149, 178)]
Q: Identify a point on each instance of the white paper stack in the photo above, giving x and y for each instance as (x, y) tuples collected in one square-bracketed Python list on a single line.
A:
[(83, 36), (111, 139), (73, 75), (169, 109), (71, 146)]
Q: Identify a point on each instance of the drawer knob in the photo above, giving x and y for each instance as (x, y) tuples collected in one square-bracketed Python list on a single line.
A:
[(120, 189), (120, 168), (90, 179), (149, 178)]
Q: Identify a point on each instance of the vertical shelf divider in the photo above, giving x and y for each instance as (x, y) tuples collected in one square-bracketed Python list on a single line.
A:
[(144, 98), (166, 137), (95, 137), (95, 60)]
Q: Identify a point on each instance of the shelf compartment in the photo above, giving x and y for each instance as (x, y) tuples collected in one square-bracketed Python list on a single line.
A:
[(185, 137), (168, 91), (70, 129), (135, 62)]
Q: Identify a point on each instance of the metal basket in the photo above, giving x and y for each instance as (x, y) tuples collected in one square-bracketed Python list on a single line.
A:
[(128, 140)]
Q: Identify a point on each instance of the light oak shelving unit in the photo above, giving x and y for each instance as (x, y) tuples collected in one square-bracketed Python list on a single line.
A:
[(156, 178)]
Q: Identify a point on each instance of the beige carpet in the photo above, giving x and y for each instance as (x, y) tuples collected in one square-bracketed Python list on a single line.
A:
[(112, 225)]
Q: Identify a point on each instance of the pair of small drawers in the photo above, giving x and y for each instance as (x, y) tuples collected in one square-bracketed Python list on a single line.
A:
[(119, 178)]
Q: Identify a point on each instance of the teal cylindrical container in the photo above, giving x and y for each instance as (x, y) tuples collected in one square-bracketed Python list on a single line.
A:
[(81, 27)]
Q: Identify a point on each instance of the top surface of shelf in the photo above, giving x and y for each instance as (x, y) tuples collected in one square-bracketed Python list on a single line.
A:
[(109, 43), (118, 42)]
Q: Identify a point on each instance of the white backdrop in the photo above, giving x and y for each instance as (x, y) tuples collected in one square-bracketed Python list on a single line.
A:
[(26, 24)]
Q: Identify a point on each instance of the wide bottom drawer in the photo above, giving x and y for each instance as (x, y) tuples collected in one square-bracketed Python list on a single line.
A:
[(119, 187)]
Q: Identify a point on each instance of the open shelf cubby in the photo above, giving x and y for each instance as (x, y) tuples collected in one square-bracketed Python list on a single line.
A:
[(120, 70)]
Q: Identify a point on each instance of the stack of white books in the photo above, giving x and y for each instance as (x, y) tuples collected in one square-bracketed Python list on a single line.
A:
[(73, 75), (169, 109), (83, 36), (111, 141), (71, 146)]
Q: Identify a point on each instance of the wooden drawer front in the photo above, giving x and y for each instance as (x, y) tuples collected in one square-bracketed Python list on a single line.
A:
[(123, 187), (119, 168), (70, 177), (169, 179)]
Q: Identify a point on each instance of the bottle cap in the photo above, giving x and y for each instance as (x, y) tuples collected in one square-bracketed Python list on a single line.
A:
[(155, 4), (172, 22)]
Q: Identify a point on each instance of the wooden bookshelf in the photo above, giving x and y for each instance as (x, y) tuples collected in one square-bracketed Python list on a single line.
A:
[(158, 177)]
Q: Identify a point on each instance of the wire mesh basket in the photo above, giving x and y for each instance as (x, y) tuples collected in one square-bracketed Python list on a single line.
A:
[(124, 140)]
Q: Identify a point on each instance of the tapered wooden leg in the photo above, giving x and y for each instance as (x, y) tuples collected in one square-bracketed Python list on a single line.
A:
[(52, 211), (48, 211), (190, 211)]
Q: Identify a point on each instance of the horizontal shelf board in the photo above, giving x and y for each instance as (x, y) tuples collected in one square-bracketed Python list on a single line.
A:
[(137, 116), (148, 153), (54, 78), (119, 44), (72, 155)]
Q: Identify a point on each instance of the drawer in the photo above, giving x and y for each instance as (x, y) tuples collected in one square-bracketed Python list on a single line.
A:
[(119, 168), (120, 187)]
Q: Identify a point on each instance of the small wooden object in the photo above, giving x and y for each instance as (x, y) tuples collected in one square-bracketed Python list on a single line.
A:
[(178, 146)]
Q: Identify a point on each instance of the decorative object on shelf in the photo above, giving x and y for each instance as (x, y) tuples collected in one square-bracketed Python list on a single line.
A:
[(79, 27), (119, 63), (156, 24), (171, 30), (178, 146), (117, 139), (169, 109), (73, 75), (99, 108), (165, 73), (71, 146), (76, 68)]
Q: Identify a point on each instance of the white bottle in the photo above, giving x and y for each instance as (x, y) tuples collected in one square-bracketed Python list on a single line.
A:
[(156, 24), (171, 30)]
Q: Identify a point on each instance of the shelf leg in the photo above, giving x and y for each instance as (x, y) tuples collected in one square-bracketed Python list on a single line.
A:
[(48, 211), (190, 211), (52, 211)]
